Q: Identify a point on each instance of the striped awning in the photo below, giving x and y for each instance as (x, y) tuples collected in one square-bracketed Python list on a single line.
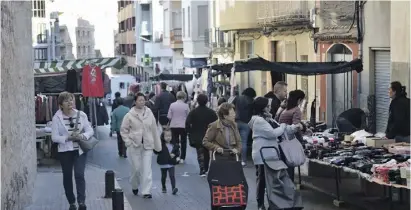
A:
[(58, 67)]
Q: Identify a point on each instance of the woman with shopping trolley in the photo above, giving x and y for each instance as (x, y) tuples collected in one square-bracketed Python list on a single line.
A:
[(266, 133), (228, 186)]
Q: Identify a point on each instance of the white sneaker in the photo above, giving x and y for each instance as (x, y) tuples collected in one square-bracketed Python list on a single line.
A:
[(181, 161), (243, 164)]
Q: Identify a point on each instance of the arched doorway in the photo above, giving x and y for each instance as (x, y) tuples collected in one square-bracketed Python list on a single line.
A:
[(339, 86)]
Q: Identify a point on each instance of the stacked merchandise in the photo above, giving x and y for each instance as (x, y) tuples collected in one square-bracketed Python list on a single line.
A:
[(378, 164)]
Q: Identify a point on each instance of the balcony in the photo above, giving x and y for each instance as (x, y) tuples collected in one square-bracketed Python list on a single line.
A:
[(176, 39), (283, 13), (145, 28), (219, 41)]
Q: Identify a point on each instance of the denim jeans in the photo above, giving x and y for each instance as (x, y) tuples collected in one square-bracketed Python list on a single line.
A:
[(68, 161), (244, 130)]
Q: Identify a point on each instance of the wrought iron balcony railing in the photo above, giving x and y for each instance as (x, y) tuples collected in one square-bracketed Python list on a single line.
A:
[(283, 13)]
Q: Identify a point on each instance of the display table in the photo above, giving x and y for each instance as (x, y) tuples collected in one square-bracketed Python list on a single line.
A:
[(334, 180)]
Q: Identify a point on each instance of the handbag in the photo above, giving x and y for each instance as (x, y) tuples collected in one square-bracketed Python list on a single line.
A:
[(85, 145), (292, 151)]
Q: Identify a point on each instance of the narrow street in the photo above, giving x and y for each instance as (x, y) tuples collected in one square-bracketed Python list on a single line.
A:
[(193, 190)]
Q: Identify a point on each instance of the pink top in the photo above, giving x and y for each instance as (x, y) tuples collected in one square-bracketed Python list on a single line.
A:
[(177, 113)]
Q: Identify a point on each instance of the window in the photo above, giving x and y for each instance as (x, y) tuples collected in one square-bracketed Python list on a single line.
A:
[(78, 50), (202, 18), (122, 86), (188, 22), (84, 50), (184, 23), (40, 54), (88, 33), (83, 33), (39, 8), (89, 50), (78, 33)]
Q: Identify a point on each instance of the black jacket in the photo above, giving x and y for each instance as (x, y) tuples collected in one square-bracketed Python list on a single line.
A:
[(163, 102), (243, 108), (150, 105), (275, 103), (115, 105), (197, 123), (164, 158), (399, 118)]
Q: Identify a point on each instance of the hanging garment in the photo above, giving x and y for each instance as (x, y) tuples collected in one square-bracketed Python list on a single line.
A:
[(71, 81), (92, 82)]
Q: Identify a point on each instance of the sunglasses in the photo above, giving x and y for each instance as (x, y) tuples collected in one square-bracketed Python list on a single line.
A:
[(71, 122)]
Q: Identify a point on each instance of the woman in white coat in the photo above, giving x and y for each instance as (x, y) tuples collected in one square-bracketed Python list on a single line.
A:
[(70, 154), (141, 137), (265, 133)]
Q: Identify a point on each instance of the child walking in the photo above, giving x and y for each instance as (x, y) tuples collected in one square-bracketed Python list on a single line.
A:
[(167, 159)]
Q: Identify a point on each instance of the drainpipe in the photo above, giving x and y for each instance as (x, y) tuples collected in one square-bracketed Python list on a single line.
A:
[(360, 21)]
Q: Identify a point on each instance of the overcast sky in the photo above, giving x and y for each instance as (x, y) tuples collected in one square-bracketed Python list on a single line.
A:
[(101, 13)]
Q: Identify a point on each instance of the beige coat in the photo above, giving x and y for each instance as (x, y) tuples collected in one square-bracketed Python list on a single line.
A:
[(140, 130)]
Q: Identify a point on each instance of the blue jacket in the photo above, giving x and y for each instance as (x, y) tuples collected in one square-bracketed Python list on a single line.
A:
[(117, 117)]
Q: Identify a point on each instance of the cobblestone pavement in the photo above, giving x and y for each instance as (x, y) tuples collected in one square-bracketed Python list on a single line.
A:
[(49, 191), (193, 190)]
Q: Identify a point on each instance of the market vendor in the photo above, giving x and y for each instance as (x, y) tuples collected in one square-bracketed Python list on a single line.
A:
[(398, 126)]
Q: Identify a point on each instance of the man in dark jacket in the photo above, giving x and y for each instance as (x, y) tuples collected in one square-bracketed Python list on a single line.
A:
[(129, 100), (162, 104), (150, 101), (196, 130), (243, 111), (278, 95)]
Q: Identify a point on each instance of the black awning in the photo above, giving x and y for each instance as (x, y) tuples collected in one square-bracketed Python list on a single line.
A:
[(176, 77), (296, 68)]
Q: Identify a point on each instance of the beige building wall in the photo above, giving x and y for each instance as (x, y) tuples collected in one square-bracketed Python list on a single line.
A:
[(291, 48), (18, 149), (377, 36), (400, 42)]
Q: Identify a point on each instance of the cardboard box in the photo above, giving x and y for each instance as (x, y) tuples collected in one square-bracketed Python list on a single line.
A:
[(348, 138), (378, 142)]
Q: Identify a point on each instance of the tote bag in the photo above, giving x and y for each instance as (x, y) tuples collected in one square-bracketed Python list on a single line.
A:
[(292, 151)]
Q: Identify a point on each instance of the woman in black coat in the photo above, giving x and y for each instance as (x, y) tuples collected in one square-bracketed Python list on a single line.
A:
[(398, 126)]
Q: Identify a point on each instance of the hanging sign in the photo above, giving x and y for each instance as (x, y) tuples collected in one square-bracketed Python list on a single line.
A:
[(92, 82)]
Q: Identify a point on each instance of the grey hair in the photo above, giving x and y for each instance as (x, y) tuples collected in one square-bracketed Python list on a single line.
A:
[(279, 85), (181, 95)]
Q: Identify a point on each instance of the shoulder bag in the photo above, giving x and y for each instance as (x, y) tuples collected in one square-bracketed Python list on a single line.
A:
[(87, 144), (292, 151)]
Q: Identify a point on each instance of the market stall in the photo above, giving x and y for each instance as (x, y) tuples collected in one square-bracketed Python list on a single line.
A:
[(339, 180), (83, 78)]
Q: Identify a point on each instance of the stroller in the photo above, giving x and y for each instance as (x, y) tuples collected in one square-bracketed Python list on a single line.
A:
[(228, 186), (281, 191)]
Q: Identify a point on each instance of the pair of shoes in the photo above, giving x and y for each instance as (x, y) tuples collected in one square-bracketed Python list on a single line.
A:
[(125, 156), (148, 196), (175, 190), (261, 208), (82, 206), (135, 192), (73, 207), (164, 190), (203, 174)]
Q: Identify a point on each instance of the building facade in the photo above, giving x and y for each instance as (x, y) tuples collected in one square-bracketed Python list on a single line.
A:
[(172, 36), (386, 56), (195, 22), (126, 18), (336, 40), (151, 56)]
